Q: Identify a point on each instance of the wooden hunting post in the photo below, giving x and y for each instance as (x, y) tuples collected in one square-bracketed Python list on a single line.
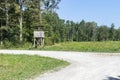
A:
[(38, 38)]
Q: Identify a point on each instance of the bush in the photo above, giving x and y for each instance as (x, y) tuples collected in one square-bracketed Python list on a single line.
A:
[(7, 44), (48, 41)]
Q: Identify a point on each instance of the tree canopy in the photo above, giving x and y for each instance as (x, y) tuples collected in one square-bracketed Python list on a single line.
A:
[(19, 18)]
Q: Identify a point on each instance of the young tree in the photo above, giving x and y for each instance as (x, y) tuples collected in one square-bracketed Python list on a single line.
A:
[(112, 32), (103, 33), (20, 2), (50, 5)]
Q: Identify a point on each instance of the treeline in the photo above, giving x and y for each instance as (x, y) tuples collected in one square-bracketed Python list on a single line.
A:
[(89, 31), (19, 19)]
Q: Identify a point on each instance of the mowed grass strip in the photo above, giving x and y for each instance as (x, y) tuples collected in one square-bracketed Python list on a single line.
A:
[(21, 67), (106, 46)]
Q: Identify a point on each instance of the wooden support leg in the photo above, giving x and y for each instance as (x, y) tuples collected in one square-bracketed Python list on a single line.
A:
[(34, 43)]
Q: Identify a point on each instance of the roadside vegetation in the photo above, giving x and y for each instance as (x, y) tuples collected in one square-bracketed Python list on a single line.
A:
[(21, 18), (21, 67), (106, 46), (103, 46)]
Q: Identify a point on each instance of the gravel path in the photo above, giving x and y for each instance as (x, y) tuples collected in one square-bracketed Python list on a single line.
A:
[(84, 66)]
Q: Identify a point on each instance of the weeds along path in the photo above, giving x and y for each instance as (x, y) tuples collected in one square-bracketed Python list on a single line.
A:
[(84, 66)]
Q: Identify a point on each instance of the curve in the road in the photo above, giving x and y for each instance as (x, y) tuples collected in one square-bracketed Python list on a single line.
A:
[(84, 66)]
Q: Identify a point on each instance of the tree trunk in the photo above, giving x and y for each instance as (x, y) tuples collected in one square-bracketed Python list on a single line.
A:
[(6, 12), (1, 41), (20, 22), (21, 39)]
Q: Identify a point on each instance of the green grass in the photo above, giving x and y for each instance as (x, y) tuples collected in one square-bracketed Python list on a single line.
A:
[(108, 46), (103, 46), (21, 67)]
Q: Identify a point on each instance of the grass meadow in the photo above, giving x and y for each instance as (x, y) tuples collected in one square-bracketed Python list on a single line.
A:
[(22, 67), (106, 46), (103, 46)]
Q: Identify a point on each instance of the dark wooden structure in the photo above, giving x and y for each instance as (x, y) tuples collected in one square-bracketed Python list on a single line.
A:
[(39, 38)]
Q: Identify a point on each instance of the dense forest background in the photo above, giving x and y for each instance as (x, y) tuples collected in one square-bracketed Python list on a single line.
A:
[(19, 19)]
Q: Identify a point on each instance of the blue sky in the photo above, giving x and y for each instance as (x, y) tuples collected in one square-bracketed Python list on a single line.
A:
[(104, 12)]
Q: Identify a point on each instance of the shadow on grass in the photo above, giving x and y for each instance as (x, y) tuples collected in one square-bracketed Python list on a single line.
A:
[(113, 78)]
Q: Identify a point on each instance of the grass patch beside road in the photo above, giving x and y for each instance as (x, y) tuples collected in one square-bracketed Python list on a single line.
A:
[(103, 46), (108, 46), (21, 67)]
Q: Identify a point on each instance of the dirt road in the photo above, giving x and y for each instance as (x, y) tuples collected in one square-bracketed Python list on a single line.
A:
[(84, 66)]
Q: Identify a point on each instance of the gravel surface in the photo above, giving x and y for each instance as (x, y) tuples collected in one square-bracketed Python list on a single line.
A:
[(84, 66)]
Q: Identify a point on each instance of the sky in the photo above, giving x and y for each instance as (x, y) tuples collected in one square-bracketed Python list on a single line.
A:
[(103, 12)]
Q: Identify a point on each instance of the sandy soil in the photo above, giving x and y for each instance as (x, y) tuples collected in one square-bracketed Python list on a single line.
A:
[(84, 66)]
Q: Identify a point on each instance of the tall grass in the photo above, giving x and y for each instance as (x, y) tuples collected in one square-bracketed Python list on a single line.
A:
[(21, 67), (107, 46)]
